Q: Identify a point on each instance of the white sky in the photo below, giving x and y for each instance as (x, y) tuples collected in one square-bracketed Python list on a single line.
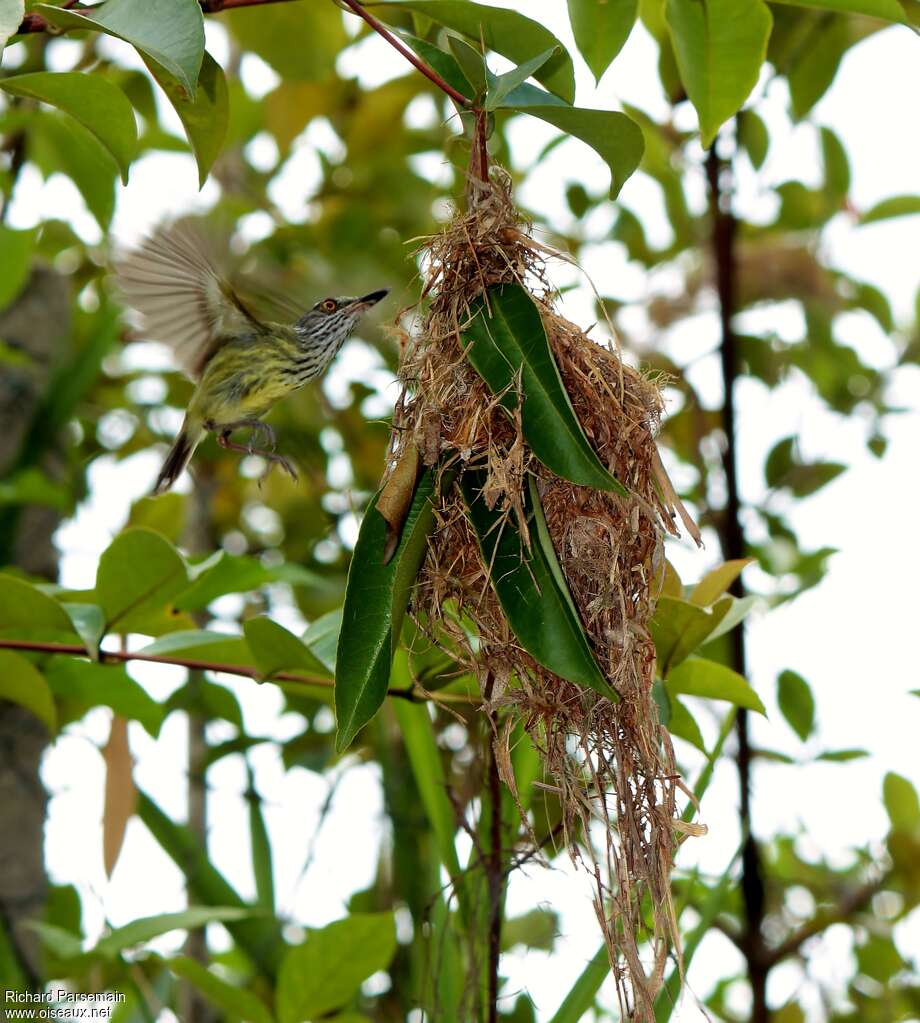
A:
[(850, 637)]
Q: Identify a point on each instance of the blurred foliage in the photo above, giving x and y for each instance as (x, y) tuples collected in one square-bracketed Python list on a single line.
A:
[(370, 167)]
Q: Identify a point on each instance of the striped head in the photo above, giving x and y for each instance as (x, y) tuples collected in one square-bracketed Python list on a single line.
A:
[(329, 323)]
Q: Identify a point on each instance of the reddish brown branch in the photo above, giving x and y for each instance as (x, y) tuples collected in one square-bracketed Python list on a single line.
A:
[(244, 670)]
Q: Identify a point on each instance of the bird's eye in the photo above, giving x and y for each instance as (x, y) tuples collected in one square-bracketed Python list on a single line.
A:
[(329, 306)]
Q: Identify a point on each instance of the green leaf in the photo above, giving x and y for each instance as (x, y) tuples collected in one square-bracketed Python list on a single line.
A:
[(79, 685), (535, 929), (506, 32), (502, 85), (15, 260), (684, 726), (376, 597), (89, 623), (275, 649), (322, 637), (796, 703), (204, 117), (505, 338), (836, 165), (901, 802), (27, 613), (472, 65), (895, 206), (164, 514), (326, 971), (753, 137), (889, 10), (613, 136), (98, 105), (259, 937), (878, 957), (138, 576), (139, 932), (708, 590), (720, 46), (23, 684), (208, 699), (697, 676), (301, 41), (583, 993), (601, 27), (11, 15), (811, 70), (231, 998), (201, 645), (235, 573), (428, 770), (842, 756), (261, 850), (171, 32), (540, 614), (679, 627), (59, 143)]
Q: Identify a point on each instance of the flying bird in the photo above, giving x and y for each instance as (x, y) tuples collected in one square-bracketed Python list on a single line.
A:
[(241, 364)]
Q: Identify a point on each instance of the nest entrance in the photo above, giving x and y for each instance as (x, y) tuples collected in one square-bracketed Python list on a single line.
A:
[(611, 764)]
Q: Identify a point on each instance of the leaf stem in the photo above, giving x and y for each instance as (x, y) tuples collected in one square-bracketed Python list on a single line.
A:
[(194, 664)]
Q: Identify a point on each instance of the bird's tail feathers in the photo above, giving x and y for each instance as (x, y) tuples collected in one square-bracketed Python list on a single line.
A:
[(178, 458)]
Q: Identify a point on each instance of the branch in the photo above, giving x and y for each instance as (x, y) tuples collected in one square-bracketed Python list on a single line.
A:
[(243, 670), (36, 23)]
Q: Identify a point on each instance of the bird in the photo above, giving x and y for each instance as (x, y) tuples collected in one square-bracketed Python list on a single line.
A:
[(241, 365)]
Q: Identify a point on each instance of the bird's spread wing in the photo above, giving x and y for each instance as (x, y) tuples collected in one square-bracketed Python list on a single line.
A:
[(181, 300)]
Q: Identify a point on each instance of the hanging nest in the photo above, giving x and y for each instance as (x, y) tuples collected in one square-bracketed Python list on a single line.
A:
[(611, 763)]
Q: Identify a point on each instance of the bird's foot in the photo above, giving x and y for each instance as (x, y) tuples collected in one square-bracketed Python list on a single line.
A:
[(273, 460), (223, 439)]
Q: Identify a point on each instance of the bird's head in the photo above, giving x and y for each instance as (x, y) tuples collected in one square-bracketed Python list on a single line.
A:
[(333, 319)]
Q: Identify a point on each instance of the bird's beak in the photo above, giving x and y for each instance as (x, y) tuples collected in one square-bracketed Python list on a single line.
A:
[(366, 301)]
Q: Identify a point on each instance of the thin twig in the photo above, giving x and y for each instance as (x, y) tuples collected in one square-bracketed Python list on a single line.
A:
[(415, 61), (243, 670)]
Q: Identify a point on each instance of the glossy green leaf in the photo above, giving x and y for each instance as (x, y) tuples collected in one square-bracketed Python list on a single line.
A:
[(896, 206), (720, 46), (326, 971), (472, 65), (11, 15), (275, 649), (697, 676), (139, 932), (204, 118), (505, 31), (201, 645), (506, 338), (539, 612), (171, 32), (601, 27), (322, 637), (738, 610), (503, 85), (901, 802), (80, 685), (139, 574), (16, 249), (836, 165), (23, 684), (796, 703), (259, 938), (679, 627), (376, 597), (716, 582), (811, 71), (612, 135), (96, 103), (235, 1001), (27, 613)]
